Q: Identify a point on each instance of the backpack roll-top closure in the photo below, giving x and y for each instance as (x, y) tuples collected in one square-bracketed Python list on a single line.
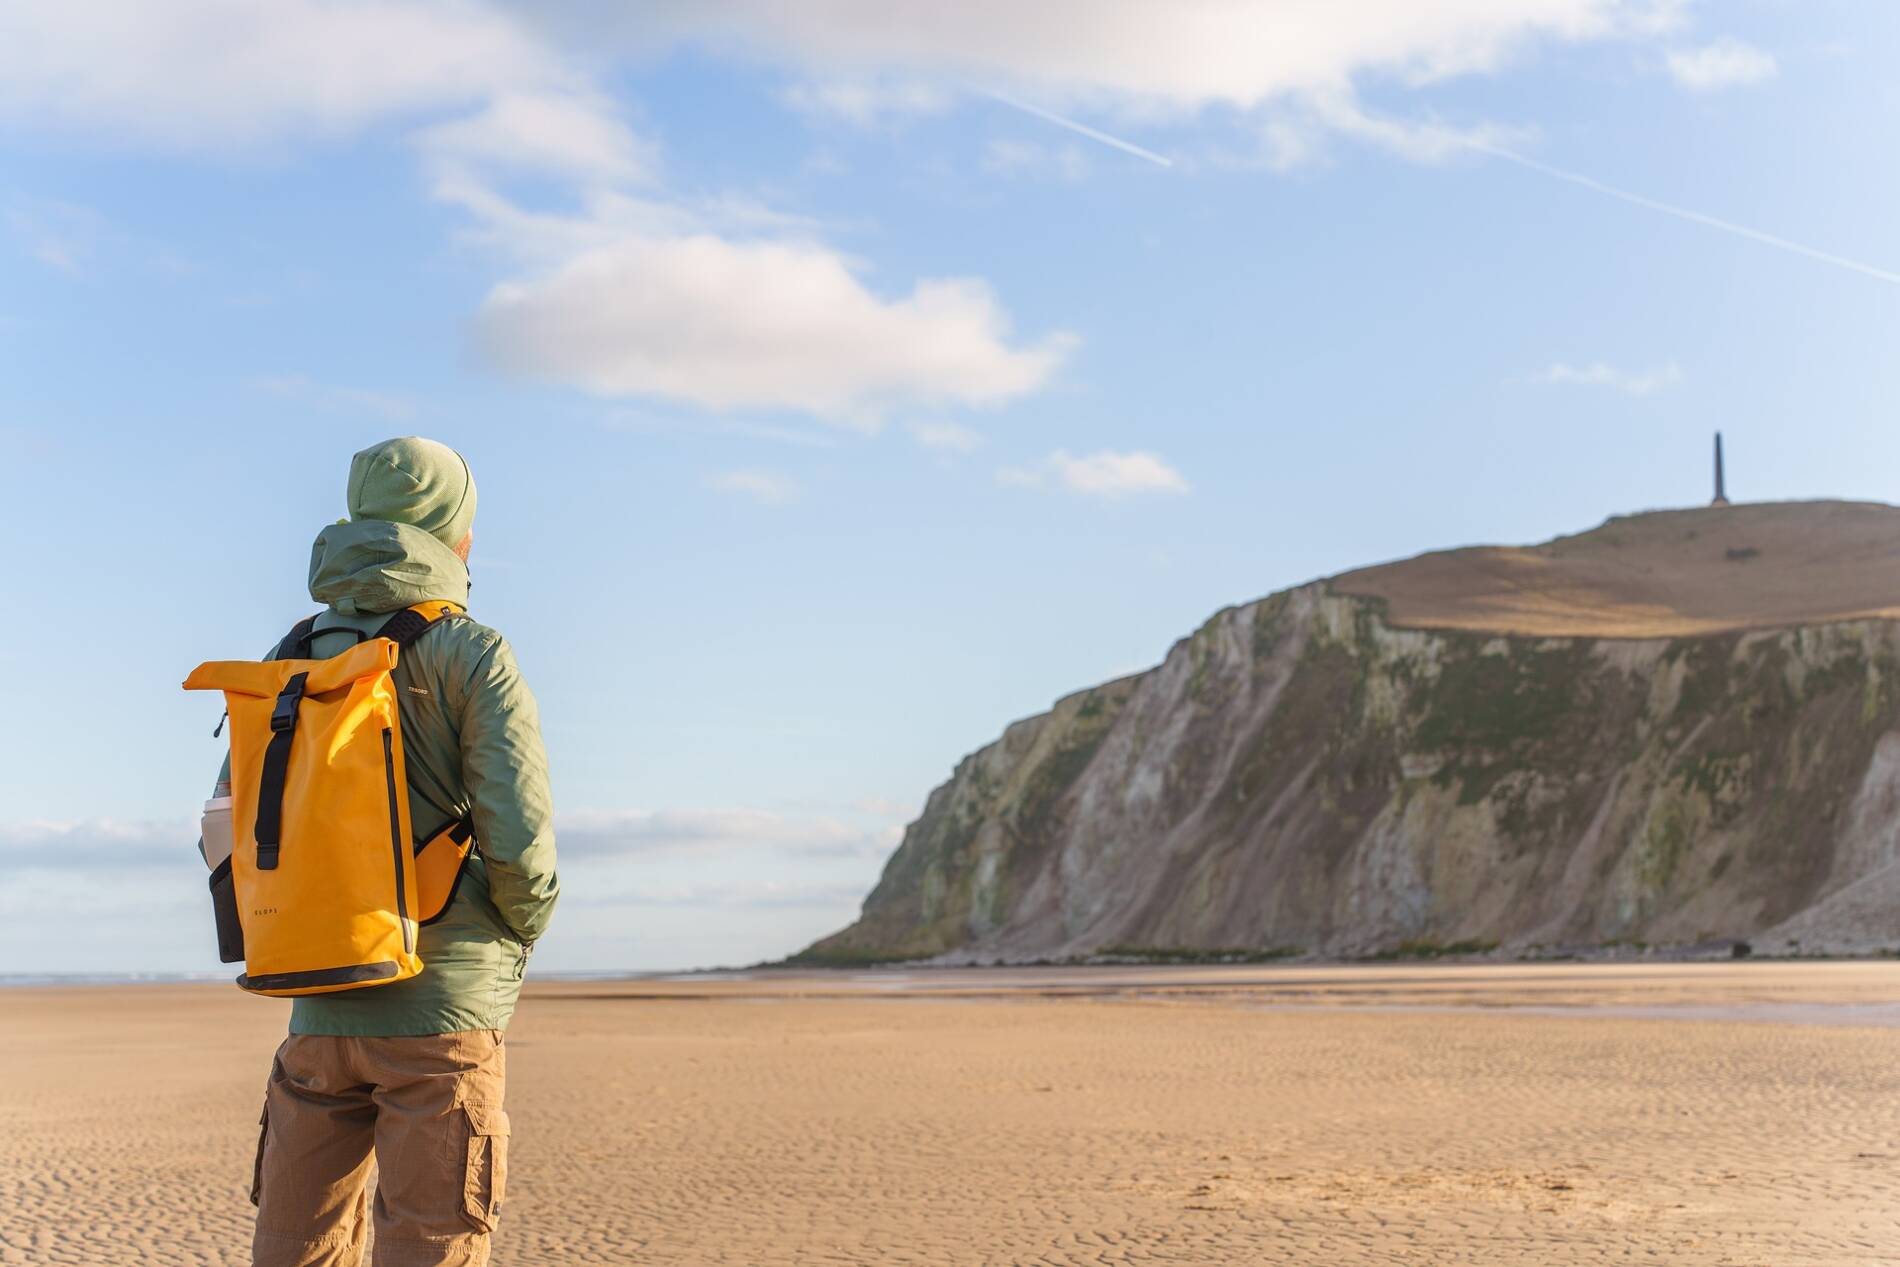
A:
[(265, 678)]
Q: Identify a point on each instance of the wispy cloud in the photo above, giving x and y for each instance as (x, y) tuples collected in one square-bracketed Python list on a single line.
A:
[(1603, 374), (63, 236), (639, 422), (865, 100), (388, 405), (1007, 157), (1424, 141), (765, 487), (946, 437), (578, 134), (1105, 474), (719, 831), (106, 844), (1726, 63), (110, 845), (761, 895)]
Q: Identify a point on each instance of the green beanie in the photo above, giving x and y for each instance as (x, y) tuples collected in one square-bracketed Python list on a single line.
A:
[(417, 482)]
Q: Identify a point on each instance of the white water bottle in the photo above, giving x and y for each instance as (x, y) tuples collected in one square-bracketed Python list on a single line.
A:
[(214, 829)]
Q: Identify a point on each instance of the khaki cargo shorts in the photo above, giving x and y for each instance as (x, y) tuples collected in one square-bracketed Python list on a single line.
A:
[(426, 1110)]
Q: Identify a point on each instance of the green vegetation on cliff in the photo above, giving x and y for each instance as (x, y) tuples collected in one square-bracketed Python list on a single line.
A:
[(1302, 772)]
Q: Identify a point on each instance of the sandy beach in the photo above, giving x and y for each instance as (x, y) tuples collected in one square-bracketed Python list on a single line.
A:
[(1683, 1114)]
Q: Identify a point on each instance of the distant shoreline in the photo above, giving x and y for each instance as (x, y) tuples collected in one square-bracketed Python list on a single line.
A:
[(1659, 957)]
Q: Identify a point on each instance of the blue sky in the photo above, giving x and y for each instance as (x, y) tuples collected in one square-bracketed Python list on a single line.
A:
[(830, 408)]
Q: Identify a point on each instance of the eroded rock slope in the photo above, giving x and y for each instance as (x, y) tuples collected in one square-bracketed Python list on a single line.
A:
[(1307, 773)]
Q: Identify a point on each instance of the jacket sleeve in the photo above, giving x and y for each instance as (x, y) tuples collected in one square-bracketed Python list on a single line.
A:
[(505, 769)]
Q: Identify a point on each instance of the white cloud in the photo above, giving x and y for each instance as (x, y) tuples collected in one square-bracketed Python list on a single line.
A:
[(571, 134), (1292, 71), (764, 487), (730, 324), (946, 437), (723, 304), (1145, 58), (727, 305), (305, 67), (1104, 474), (1726, 63), (1602, 374), (203, 73)]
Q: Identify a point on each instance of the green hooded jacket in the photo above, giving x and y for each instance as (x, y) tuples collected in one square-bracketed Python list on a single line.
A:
[(472, 743)]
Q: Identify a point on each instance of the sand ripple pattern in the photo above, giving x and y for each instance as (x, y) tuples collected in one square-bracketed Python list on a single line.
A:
[(1052, 1131)]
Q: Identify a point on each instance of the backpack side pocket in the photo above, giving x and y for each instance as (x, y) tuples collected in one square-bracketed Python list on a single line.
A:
[(225, 910)]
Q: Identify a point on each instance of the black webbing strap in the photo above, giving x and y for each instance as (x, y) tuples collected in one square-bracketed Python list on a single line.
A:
[(270, 791), (402, 629), (408, 625), (295, 645)]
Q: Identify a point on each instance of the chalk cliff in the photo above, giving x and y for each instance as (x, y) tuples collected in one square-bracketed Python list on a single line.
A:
[(1681, 728)]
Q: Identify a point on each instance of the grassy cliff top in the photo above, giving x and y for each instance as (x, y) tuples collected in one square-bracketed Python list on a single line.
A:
[(1662, 574)]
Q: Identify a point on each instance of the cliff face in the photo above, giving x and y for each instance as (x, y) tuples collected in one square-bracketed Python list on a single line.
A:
[(1304, 775)]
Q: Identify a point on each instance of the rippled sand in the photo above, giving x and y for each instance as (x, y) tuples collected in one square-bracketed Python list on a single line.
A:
[(1715, 1114)]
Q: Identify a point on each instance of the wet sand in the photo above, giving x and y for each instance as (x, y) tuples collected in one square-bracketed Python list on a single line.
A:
[(1689, 1114)]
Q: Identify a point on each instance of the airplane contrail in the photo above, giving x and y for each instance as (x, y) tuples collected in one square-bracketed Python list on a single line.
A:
[(1526, 161), (1684, 213), (1047, 116)]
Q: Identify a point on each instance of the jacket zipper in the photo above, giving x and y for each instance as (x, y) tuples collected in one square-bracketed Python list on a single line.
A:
[(395, 837)]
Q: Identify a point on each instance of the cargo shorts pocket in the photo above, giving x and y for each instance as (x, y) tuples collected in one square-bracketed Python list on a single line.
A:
[(257, 1163), (486, 1180)]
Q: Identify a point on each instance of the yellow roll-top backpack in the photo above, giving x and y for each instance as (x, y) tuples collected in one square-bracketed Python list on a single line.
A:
[(326, 884)]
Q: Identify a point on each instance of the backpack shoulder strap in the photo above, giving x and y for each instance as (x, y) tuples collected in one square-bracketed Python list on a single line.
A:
[(411, 623), (295, 645)]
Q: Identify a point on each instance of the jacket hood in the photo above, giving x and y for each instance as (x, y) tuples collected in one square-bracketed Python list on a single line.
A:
[(414, 481), (372, 566)]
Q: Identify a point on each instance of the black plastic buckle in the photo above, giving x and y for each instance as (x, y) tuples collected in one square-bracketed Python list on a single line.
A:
[(284, 716)]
